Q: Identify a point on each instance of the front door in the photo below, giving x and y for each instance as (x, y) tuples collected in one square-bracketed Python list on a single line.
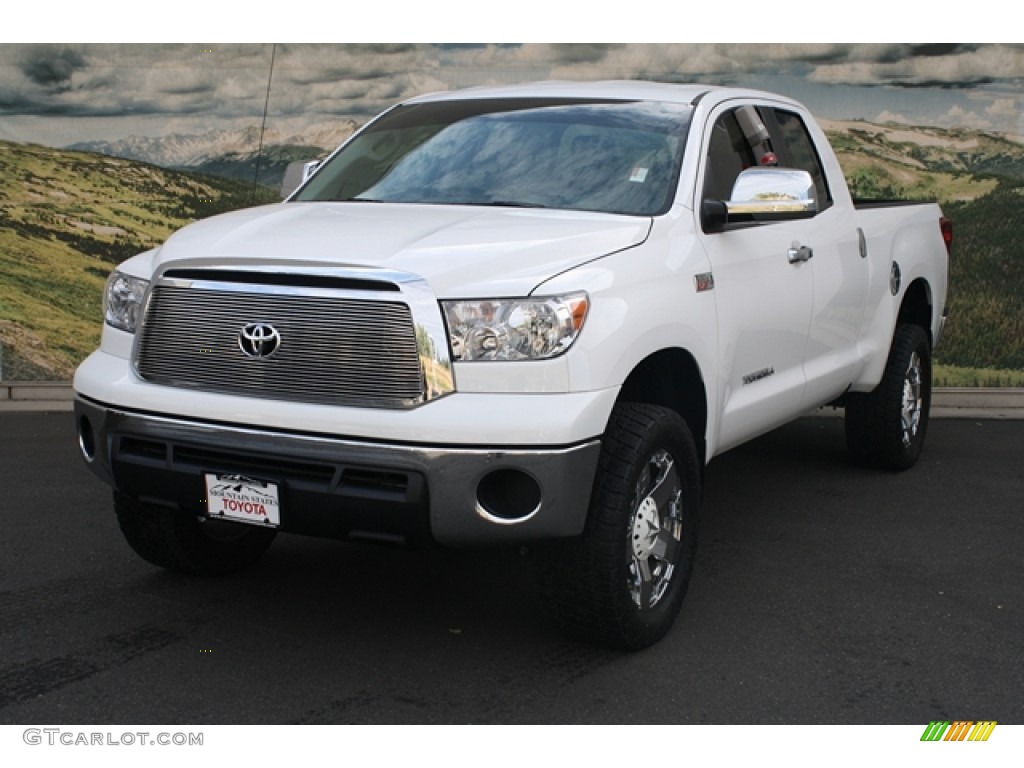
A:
[(764, 299)]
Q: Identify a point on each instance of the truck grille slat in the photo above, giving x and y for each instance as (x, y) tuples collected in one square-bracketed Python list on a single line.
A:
[(334, 350)]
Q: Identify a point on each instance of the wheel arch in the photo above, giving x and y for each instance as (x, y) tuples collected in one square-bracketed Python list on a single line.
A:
[(672, 378), (917, 308)]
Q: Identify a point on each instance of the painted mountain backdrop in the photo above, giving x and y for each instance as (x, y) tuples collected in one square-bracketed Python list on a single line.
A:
[(232, 153), (67, 216)]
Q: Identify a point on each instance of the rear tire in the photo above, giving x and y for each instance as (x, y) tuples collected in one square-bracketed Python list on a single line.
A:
[(886, 428), (182, 542), (622, 582)]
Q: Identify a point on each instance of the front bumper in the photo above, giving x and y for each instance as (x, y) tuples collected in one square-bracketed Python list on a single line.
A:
[(341, 487)]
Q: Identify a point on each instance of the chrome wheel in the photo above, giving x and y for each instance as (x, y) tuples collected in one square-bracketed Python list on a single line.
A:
[(655, 530), (913, 400)]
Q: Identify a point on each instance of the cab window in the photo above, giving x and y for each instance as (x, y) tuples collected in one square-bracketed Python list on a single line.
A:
[(728, 153)]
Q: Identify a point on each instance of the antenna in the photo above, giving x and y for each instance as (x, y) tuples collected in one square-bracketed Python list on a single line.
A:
[(263, 125)]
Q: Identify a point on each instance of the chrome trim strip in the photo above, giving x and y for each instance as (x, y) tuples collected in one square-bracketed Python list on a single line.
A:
[(506, 520)]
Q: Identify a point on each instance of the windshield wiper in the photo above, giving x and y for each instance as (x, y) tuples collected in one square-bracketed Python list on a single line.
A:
[(500, 203), (486, 203)]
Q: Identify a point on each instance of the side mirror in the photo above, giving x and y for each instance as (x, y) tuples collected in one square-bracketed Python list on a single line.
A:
[(764, 194), (773, 193), (295, 175)]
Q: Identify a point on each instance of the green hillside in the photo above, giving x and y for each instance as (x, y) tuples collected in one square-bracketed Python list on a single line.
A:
[(948, 150), (898, 162), (65, 219), (978, 178), (986, 297)]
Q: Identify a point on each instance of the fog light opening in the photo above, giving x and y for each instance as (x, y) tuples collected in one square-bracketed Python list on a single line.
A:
[(86, 439), (508, 496)]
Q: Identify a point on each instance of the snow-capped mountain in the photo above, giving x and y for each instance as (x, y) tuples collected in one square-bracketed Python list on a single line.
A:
[(192, 150)]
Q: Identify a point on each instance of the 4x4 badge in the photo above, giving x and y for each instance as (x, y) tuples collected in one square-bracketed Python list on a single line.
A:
[(259, 340)]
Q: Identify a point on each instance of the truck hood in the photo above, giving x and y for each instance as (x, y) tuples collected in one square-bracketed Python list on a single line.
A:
[(461, 251)]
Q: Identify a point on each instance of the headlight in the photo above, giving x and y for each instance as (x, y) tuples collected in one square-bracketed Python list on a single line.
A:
[(122, 301), (515, 329)]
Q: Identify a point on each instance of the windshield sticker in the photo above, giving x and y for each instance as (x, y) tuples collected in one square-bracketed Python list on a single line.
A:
[(638, 174)]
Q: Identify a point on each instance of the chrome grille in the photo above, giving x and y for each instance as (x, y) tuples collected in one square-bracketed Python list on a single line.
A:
[(334, 349)]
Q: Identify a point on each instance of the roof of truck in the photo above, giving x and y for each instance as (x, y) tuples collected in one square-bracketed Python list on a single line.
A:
[(637, 90)]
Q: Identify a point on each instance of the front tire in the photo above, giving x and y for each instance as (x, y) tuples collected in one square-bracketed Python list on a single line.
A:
[(886, 428), (182, 542), (622, 582)]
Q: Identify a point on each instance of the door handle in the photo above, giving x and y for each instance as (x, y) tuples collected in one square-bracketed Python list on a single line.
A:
[(798, 253)]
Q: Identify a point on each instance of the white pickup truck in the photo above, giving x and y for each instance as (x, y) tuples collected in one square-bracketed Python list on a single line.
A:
[(522, 315)]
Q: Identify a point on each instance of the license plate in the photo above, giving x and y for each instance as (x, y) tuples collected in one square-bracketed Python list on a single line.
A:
[(243, 499)]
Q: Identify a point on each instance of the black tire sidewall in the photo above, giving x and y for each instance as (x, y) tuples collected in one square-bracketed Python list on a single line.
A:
[(874, 432), (176, 540)]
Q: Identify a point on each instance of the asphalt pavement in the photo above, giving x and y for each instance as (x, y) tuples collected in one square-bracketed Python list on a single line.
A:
[(823, 593)]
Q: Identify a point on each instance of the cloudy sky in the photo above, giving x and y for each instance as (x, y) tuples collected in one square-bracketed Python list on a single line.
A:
[(61, 93)]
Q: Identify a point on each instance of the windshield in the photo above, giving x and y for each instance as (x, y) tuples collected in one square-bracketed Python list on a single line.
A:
[(608, 156)]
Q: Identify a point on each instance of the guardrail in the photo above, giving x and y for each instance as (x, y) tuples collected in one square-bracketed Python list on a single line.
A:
[(978, 397), (35, 391)]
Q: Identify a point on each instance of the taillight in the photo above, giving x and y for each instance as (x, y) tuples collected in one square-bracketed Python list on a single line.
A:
[(946, 227)]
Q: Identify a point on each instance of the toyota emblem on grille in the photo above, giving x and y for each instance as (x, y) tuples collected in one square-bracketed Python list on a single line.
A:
[(259, 340)]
